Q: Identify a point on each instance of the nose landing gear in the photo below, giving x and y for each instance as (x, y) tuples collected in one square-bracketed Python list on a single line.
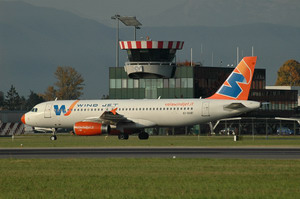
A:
[(53, 136)]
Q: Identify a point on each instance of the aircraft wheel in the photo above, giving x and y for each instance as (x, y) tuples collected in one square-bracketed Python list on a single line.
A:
[(143, 136), (53, 137), (126, 136), (123, 136)]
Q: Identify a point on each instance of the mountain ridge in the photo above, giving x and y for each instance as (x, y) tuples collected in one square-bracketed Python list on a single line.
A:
[(35, 40)]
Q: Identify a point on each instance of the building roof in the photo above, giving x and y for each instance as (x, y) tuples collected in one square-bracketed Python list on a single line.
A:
[(124, 45)]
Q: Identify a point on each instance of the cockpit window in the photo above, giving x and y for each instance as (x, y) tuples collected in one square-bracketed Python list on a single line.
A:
[(34, 110)]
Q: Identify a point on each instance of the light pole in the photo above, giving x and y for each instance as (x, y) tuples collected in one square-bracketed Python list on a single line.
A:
[(127, 21), (117, 18), (135, 27)]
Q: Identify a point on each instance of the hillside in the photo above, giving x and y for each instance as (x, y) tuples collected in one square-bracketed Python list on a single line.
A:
[(35, 40)]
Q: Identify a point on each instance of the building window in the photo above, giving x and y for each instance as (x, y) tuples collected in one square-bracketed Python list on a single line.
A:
[(159, 83), (135, 83), (172, 83), (124, 83), (118, 83), (148, 83), (166, 83), (177, 83), (190, 82), (130, 83), (142, 83), (112, 83), (184, 82)]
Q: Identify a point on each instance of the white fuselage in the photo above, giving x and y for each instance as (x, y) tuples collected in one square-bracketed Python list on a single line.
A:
[(143, 113)]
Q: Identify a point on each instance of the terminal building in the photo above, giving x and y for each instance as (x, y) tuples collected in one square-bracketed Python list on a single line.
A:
[(151, 72)]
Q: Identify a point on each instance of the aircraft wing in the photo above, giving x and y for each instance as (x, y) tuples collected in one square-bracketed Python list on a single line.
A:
[(114, 118), (109, 117)]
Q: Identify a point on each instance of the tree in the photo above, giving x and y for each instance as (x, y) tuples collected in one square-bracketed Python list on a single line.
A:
[(186, 63), (289, 74), (1, 100), (50, 94), (69, 84), (33, 100), (12, 99)]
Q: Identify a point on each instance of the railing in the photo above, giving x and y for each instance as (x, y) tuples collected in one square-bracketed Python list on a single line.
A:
[(150, 63)]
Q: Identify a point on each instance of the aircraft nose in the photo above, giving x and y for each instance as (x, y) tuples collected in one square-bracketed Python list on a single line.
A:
[(23, 119)]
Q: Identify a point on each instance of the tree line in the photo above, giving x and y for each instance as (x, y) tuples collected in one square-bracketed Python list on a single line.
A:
[(69, 85)]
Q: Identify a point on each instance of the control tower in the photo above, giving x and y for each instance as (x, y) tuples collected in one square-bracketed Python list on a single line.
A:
[(150, 59)]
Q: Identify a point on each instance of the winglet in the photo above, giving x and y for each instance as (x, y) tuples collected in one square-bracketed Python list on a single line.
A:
[(237, 85), (114, 111)]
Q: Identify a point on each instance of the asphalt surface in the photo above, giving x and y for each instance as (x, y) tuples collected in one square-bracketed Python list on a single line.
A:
[(155, 152)]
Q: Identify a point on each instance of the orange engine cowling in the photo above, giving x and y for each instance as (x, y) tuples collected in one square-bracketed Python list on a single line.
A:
[(90, 128)]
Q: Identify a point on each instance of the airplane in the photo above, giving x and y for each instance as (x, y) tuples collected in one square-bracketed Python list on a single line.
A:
[(124, 117)]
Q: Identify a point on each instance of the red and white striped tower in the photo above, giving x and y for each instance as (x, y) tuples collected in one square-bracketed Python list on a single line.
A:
[(150, 59)]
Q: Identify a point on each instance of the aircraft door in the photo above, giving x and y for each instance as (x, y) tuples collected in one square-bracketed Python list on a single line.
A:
[(47, 112), (205, 109)]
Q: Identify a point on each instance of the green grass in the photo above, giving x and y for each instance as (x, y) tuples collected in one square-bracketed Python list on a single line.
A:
[(149, 178), (64, 140)]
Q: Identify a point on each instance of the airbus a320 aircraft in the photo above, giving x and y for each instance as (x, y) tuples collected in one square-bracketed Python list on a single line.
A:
[(124, 117)]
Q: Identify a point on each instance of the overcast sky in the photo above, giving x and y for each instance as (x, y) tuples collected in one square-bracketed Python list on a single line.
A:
[(183, 12), (102, 10)]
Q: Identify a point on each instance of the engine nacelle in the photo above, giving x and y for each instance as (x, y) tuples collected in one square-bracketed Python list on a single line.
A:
[(90, 128)]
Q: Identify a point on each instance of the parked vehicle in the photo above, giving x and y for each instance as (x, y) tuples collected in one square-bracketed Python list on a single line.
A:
[(284, 131), (227, 131)]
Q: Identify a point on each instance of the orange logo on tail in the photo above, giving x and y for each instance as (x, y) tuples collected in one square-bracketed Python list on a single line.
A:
[(237, 85)]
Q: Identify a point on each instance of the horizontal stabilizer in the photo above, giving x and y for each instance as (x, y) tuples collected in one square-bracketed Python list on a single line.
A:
[(235, 106)]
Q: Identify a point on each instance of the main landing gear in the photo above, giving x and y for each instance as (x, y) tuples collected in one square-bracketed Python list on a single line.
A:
[(123, 136), (53, 136), (142, 136)]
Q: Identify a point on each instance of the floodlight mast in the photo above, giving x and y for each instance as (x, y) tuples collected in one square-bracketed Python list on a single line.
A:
[(117, 18), (127, 21)]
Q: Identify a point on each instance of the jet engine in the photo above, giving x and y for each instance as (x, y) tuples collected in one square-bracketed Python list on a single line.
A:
[(90, 128)]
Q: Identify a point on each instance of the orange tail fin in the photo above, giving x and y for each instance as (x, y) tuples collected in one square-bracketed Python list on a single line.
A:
[(237, 85)]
